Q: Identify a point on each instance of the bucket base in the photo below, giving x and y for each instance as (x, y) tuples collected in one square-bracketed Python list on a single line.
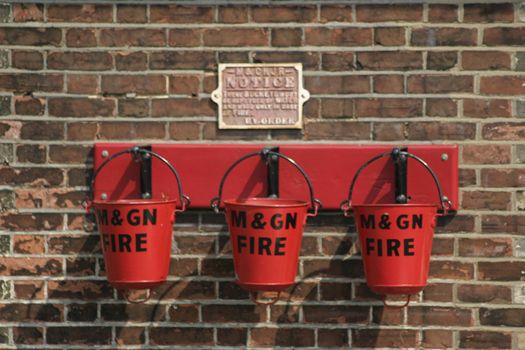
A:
[(136, 284), (399, 290), (264, 287)]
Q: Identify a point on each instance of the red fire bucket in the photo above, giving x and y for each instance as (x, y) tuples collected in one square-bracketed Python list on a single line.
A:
[(396, 239), (266, 235), (136, 233)]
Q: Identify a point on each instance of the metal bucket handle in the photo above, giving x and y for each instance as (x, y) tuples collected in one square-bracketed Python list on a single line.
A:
[(184, 199), (216, 201), (445, 202)]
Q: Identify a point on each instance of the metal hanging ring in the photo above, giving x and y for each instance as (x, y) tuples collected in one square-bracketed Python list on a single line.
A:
[(216, 201), (444, 201), (136, 151), (254, 299)]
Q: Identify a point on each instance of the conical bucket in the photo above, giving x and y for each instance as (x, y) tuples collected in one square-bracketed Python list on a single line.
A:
[(395, 240), (266, 235), (136, 234)]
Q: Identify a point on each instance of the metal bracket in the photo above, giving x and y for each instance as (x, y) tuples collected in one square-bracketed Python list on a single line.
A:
[(146, 187), (272, 166), (400, 161)]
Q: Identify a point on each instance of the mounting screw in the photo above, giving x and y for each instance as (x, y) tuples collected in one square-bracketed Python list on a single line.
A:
[(105, 153), (146, 156), (146, 195), (104, 196), (444, 156)]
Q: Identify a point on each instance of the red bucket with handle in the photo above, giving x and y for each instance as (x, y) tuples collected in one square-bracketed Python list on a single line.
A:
[(396, 239), (266, 235), (136, 234)]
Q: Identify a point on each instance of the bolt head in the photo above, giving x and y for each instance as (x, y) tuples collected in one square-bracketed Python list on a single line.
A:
[(444, 156), (105, 153), (104, 196)]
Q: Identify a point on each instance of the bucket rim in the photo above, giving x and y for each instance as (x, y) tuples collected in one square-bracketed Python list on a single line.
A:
[(259, 202), (396, 205), (137, 201)]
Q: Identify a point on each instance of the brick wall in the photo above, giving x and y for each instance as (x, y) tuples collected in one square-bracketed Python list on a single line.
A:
[(73, 75)]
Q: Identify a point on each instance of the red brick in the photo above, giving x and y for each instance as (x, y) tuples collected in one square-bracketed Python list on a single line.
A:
[(133, 107), (131, 130), (28, 12), (503, 85), (33, 290), (233, 14), (185, 131), (24, 82), (30, 36), (283, 37), (69, 154), (76, 37), (386, 316), (485, 60), (132, 61), (385, 84), (80, 13), (444, 37), (31, 177), (504, 36), (185, 336), (181, 107), (480, 293), (496, 247), (437, 339), (337, 131), (184, 313), (31, 153), (389, 36), (131, 13), (310, 60), (82, 84), (133, 37), (181, 14), (389, 13), (451, 270), (81, 131), (467, 177), (300, 337), (513, 317), (443, 246), (486, 154), (503, 177), (73, 244), (185, 37), (440, 316), (501, 271), (441, 107), (28, 244), (336, 314), (130, 335), (236, 37), (503, 131), (438, 292), (132, 312), (487, 108), (79, 290), (336, 36), (442, 13), (442, 60), (488, 13), (28, 335), (440, 83), (28, 105), (336, 291), (485, 340), (184, 84), (32, 60), (384, 338), (81, 107), (31, 312), (441, 131), (503, 223), (333, 268), (80, 60), (277, 14), (389, 131), (455, 223), (387, 60), (337, 108), (389, 107), (336, 13), (354, 84), (183, 60), (140, 84), (486, 200), (30, 266), (79, 335)]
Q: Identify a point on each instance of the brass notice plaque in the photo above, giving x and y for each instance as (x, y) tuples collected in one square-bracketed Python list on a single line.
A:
[(260, 96)]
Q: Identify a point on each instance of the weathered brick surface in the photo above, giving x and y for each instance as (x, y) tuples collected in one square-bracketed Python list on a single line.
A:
[(75, 74)]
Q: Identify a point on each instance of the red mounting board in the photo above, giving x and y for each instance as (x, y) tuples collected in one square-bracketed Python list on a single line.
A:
[(330, 168)]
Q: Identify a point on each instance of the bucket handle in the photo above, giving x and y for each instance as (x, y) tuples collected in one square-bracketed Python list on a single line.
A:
[(316, 203), (392, 306), (444, 201), (136, 151), (255, 300), (129, 299)]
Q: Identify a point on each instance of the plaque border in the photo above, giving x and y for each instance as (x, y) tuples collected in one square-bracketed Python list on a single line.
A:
[(303, 96)]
